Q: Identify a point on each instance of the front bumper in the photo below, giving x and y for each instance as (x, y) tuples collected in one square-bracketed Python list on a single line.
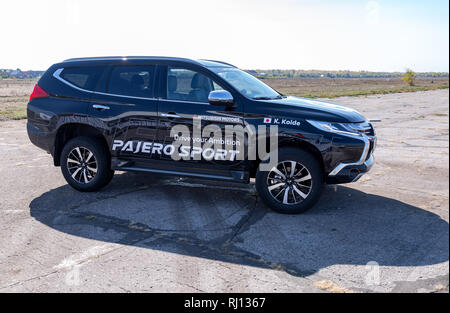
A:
[(351, 172)]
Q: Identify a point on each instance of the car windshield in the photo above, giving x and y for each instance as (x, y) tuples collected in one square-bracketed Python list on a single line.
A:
[(246, 84)]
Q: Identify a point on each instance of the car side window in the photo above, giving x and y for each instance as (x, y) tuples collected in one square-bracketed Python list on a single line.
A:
[(135, 81), (82, 77), (188, 85)]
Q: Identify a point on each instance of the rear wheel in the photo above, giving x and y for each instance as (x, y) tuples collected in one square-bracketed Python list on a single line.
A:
[(85, 164), (292, 186)]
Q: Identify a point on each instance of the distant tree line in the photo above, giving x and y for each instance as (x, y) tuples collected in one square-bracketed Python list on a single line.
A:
[(336, 74), (18, 73)]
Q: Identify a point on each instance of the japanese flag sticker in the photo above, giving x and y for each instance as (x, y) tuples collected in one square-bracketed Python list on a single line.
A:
[(267, 120)]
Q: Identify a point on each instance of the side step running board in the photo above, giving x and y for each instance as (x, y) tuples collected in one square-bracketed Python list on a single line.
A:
[(235, 176)]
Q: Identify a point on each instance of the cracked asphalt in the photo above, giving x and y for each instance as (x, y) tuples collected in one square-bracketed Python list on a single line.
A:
[(147, 233)]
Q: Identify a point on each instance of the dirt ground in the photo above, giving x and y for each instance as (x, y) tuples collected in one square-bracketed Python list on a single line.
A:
[(337, 87), (388, 232)]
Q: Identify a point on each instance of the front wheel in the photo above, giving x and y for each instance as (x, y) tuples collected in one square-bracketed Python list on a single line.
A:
[(292, 186), (85, 164)]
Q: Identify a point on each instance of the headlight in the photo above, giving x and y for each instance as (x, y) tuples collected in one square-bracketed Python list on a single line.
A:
[(338, 128)]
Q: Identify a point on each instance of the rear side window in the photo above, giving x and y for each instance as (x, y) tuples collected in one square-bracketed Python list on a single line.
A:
[(82, 77), (135, 81)]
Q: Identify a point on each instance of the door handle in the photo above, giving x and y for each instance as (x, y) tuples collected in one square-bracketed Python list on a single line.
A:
[(100, 107), (170, 115)]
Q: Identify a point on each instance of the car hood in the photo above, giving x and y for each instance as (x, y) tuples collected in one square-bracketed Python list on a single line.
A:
[(295, 107)]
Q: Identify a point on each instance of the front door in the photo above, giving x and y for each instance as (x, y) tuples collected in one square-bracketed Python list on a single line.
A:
[(184, 103)]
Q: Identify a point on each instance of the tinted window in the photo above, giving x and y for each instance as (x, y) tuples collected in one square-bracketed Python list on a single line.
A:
[(187, 85), (136, 81), (247, 84), (82, 77)]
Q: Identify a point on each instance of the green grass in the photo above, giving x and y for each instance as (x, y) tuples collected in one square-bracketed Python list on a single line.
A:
[(18, 114), (13, 108), (14, 94)]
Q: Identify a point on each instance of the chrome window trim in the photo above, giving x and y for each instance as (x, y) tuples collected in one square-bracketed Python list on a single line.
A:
[(57, 74), (123, 96), (361, 161), (184, 101)]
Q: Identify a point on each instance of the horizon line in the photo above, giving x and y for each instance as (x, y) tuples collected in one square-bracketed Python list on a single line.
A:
[(279, 69)]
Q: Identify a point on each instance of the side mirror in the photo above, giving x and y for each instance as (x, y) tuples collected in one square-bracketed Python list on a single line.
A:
[(220, 97)]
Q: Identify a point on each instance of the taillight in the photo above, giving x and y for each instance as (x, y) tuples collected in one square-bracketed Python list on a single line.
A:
[(38, 92)]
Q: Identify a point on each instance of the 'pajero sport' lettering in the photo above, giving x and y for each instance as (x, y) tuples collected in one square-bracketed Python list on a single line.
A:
[(185, 152), (169, 115)]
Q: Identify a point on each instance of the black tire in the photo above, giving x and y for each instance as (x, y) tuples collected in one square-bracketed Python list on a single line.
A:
[(85, 178), (311, 188)]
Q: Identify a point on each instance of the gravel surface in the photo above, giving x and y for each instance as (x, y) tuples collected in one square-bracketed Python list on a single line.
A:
[(386, 233)]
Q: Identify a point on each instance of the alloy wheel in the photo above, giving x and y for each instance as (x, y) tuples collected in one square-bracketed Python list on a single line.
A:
[(82, 165), (289, 182)]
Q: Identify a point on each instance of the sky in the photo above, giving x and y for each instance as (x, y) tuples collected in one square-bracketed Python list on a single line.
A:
[(284, 34)]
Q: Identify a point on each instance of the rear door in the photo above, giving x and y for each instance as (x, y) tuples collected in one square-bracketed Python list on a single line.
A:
[(125, 106)]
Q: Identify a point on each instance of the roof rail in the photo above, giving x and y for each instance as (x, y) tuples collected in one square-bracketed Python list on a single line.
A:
[(129, 58), (219, 62), (93, 58)]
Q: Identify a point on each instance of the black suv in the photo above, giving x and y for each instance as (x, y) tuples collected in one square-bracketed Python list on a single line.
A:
[(169, 115)]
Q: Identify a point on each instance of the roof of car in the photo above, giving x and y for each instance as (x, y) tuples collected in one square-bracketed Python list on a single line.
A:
[(205, 63)]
